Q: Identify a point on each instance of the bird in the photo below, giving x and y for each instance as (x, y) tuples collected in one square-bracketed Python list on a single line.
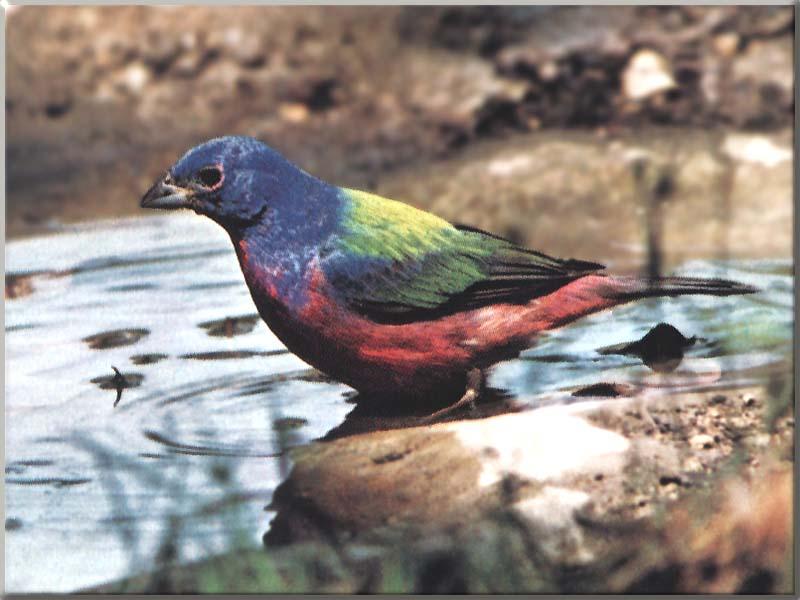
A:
[(388, 299)]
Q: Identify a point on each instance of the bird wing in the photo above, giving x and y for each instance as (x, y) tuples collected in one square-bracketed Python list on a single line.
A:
[(394, 263)]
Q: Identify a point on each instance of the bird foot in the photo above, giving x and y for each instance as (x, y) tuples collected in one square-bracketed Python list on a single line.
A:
[(474, 382)]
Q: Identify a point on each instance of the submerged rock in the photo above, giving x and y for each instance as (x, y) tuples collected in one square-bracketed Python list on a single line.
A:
[(115, 338), (661, 349)]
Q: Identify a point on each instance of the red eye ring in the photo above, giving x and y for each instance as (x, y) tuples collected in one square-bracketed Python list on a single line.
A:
[(211, 177)]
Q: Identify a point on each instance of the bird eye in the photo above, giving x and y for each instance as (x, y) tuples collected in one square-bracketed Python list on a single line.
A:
[(210, 177)]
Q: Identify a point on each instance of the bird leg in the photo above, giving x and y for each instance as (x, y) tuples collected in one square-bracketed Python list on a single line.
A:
[(474, 383)]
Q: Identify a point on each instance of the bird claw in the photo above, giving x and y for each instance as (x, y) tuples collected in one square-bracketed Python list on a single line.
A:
[(474, 381)]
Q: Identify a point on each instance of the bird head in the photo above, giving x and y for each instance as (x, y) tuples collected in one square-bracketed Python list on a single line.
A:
[(232, 180)]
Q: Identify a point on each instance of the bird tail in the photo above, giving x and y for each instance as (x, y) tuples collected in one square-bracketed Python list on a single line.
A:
[(593, 293), (634, 288)]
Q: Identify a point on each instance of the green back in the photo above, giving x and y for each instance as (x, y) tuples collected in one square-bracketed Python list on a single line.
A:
[(395, 263)]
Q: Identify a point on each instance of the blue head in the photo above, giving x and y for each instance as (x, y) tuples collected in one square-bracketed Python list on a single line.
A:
[(235, 181)]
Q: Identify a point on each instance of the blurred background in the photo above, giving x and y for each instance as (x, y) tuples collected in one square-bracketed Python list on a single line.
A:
[(645, 138), (514, 119)]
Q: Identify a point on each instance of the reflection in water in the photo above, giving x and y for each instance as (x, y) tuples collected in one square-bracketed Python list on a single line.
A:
[(197, 448), (377, 414)]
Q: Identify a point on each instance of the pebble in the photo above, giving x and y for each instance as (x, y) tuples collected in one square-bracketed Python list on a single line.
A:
[(294, 112), (159, 51), (726, 44), (113, 53), (701, 441), (134, 78), (762, 440), (189, 64), (692, 464), (245, 47), (647, 73)]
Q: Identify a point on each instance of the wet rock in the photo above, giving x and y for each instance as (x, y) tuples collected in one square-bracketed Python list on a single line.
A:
[(662, 348), (112, 382), (115, 338), (13, 524), (230, 326), (18, 286), (607, 390), (147, 359)]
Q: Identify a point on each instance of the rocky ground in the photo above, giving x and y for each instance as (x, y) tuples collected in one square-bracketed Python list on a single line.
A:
[(101, 99), (690, 493)]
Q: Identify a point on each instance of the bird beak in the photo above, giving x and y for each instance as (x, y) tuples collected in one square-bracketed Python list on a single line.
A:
[(167, 196)]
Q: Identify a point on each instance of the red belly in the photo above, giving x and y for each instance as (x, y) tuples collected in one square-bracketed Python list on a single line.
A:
[(421, 357)]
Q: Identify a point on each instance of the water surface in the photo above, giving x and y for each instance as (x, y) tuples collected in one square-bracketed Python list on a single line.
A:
[(188, 459)]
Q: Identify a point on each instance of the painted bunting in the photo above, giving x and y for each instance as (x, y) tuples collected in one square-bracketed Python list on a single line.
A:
[(379, 295)]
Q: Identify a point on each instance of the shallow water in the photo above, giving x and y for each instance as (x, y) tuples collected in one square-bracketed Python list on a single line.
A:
[(188, 459)]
